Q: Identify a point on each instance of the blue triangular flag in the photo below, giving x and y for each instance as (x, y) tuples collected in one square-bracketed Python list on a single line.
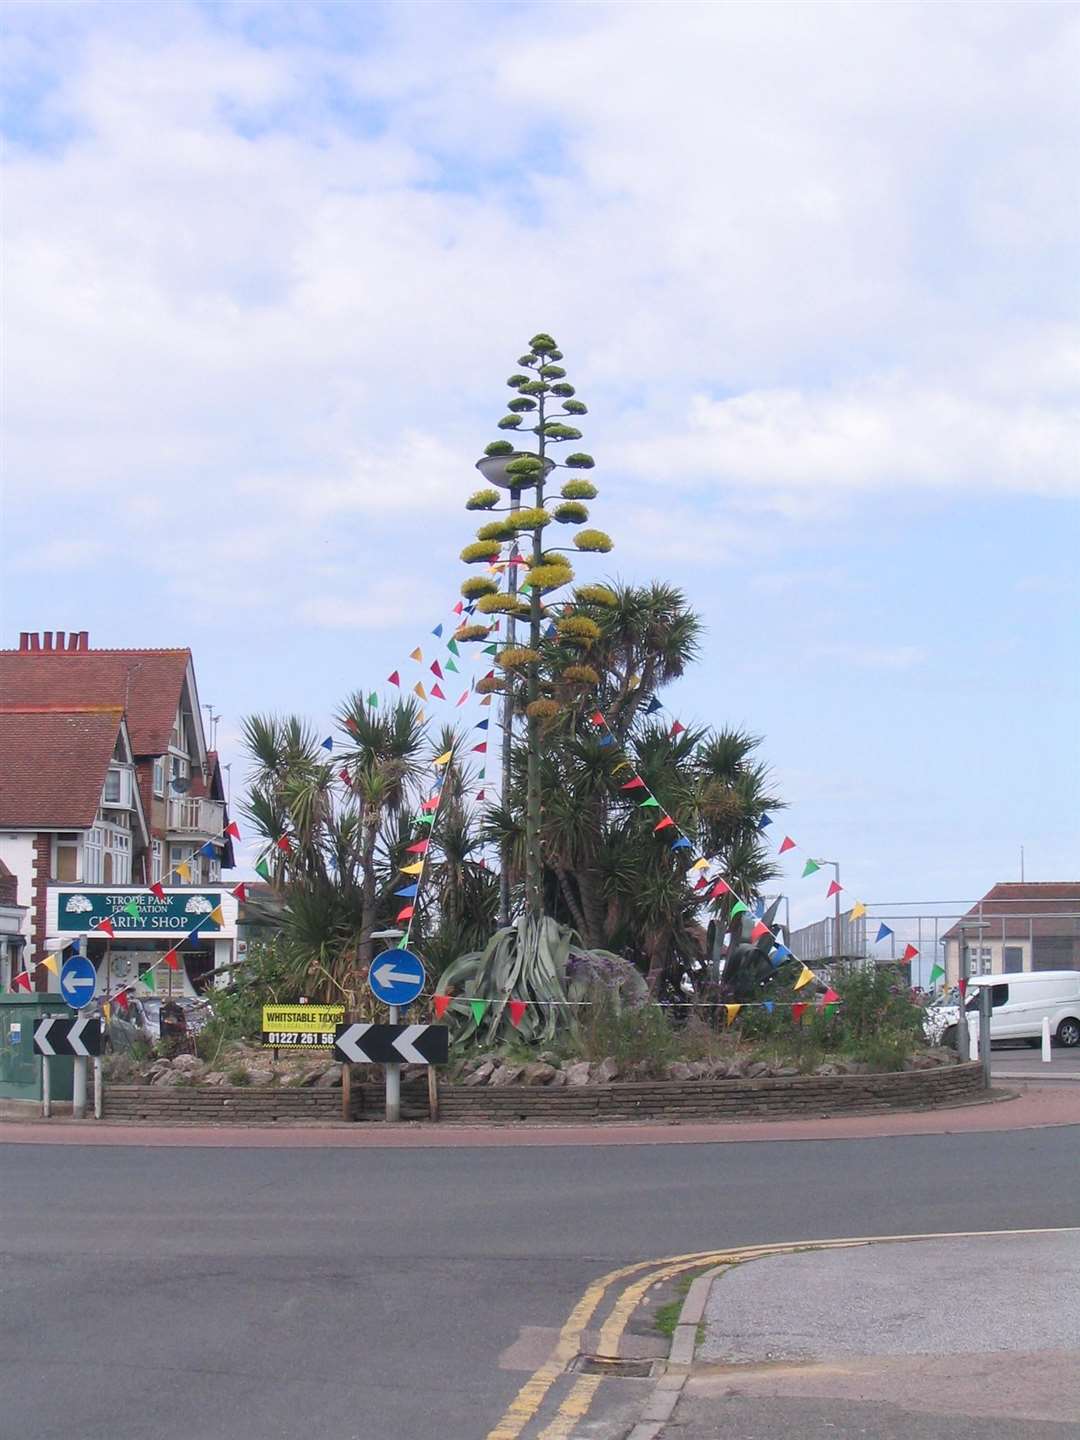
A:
[(483, 725), (549, 632), (768, 1006), (408, 892), (207, 850), (606, 740), (779, 955), (681, 844), (437, 631), (881, 934), (653, 706), (436, 784), (328, 743), (469, 609), (759, 908), (764, 822)]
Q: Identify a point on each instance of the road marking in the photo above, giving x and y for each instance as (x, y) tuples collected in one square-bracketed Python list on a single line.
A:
[(525, 1405)]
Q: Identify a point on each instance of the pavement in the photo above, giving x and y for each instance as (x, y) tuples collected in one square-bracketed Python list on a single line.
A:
[(975, 1336), (405, 1292), (1022, 1062)]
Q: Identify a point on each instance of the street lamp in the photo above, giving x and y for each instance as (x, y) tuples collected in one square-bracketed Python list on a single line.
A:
[(837, 947)]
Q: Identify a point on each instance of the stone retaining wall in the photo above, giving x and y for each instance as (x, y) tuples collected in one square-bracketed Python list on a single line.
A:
[(697, 1100)]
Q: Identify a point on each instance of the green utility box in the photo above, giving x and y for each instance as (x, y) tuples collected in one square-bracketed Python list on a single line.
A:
[(20, 1068)]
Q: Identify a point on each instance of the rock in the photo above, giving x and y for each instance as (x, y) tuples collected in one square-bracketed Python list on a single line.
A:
[(756, 1069), (168, 1078), (735, 1070), (325, 1079), (827, 1069), (606, 1071), (942, 1055), (506, 1074), (481, 1074), (577, 1074), (783, 1072), (311, 1077), (558, 1080), (260, 1075), (539, 1073), (187, 1062), (679, 1070), (214, 1078), (921, 1062)]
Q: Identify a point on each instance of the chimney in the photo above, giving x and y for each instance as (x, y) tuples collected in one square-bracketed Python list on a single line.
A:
[(84, 640), (35, 640), (24, 639), (46, 639), (60, 640)]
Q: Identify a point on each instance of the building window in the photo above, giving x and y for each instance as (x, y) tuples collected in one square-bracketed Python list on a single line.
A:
[(180, 767), (92, 871), (156, 862), (159, 775), (66, 861), (117, 791)]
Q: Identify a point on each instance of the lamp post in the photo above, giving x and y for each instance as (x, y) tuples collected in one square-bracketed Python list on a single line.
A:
[(837, 946)]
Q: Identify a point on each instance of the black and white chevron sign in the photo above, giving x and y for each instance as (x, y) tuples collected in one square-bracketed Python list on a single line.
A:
[(390, 1044), (62, 1035)]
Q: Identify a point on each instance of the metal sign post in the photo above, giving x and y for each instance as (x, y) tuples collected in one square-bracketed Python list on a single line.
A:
[(986, 998), (393, 1081), (396, 978)]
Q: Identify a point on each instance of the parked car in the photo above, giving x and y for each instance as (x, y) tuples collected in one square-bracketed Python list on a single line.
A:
[(1020, 1004), (141, 1021)]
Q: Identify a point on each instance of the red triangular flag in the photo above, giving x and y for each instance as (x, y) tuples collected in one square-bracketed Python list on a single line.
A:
[(157, 890), (436, 670), (797, 1011), (432, 804), (420, 848), (636, 784), (285, 844), (786, 844), (106, 926), (406, 913), (517, 1012), (121, 999), (440, 1004), (759, 929), (459, 607), (834, 889), (344, 776), (961, 985), (171, 960), (663, 824), (394, 679), (21, 981), (436, 693), (466, 696), (481, 749), (480, 794), (596, 718), (720, 888), (233, 830), (240, 892), (702, 882), (677, 729), (830, 996), (909, 954)]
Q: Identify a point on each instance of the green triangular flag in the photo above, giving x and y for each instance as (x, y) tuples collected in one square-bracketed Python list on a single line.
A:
[(524, 587), (451, 645), (652, 800), (263, 869), (148, 980), (424, 819), (478, 1007), (451, 666), (373, 700), (936, 974), (482, 775), (737, 909), (811, 866), (132, 909), (490, 650)]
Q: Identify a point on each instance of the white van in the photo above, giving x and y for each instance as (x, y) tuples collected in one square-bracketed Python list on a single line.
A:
[(1020, 1004)]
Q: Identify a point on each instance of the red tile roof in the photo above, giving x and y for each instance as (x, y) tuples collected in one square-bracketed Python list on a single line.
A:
[(1027, 898), (53, 764), (147, 684)]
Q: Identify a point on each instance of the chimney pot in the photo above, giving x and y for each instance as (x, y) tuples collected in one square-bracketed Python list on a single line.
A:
[(84, 639), (35, 641), (24, 639), (46, 639), (61, 639)]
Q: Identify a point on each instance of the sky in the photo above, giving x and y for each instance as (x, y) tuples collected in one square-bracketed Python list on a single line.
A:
[(814, 270)]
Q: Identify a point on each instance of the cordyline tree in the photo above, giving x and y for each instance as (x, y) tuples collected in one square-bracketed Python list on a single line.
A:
[(590, 877)]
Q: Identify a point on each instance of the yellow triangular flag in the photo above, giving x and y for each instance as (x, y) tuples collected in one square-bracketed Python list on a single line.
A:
[(857, 910), (622, 765), (805, 978), (416, 654), (184, 870), (420, 719), (50, 964), (732, 1011), (412, 869), (418, 689), (216, 916), (700, 865), (445, 758), (106, 1010)]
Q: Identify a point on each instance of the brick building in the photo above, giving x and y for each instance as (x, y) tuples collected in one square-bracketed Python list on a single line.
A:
[(1016, 927), (106, 787)]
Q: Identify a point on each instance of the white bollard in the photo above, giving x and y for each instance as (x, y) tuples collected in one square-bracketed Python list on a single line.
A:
[(1046, 1040)]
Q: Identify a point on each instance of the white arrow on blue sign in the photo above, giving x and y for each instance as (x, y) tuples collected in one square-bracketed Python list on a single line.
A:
[(397, 977), (78, 980)]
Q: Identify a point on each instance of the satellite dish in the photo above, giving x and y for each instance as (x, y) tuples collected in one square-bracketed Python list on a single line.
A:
[(181, 786)]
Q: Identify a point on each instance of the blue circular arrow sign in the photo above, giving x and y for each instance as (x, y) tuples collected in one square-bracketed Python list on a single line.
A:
[(396, 977), (78, 980)]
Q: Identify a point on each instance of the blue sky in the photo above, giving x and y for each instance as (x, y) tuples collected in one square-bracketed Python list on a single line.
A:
[(813, 270)]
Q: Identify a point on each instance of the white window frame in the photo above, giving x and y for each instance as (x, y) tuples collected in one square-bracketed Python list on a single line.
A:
[(159, 776), (93, 851), (156, 861), (77, 845)]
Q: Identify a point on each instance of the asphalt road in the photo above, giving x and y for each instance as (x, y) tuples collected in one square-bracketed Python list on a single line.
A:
[(252, 1294), (1023, 1060)]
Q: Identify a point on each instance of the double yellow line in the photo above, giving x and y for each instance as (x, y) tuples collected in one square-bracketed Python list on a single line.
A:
[(526, 1404)]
